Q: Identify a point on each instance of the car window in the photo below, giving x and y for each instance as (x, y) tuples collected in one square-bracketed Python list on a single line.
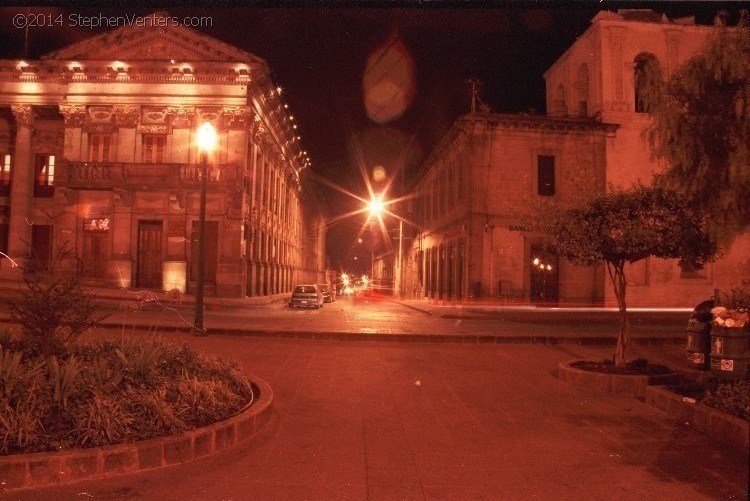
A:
[(301, 289)]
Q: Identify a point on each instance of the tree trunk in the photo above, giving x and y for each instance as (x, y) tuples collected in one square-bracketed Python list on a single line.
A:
[(616, 272)]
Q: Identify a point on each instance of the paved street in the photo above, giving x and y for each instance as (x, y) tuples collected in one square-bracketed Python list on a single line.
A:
[(393, 420), (381, 317)]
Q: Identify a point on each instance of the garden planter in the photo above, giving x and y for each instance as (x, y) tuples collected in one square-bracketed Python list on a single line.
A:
[(42, 469), (613, 383)]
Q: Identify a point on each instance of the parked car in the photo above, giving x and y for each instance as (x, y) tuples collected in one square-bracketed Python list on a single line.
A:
[(329, 295), (306, 296)]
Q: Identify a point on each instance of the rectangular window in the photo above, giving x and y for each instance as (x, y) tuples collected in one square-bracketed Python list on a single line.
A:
[(546, 175), (154, 146), (5, 175), (44, 184), (99, 147)]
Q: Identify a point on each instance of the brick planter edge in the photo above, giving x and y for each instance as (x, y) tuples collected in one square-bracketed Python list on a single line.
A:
[(719, 425), (612, 383), (23, 471)]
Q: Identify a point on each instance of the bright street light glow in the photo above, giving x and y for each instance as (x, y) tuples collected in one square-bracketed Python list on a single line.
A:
[(206, 137), (376, 206)]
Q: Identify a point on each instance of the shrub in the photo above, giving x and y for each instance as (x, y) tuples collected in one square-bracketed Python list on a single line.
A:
[(735, 299), (100, 421), (730, 397), (109, 392), (155, 413), (53, 310), (20, 420)]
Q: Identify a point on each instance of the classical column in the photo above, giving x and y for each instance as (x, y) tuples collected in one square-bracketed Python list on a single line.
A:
[(22, 187)]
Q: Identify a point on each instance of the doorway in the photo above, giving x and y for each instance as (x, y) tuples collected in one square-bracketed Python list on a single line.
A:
[(149, 254)]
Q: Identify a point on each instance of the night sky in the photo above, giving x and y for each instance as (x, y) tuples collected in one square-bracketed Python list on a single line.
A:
[(319, 55)]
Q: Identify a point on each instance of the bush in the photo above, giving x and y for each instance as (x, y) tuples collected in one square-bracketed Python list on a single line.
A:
[(112, 392), (53, 310), (732, 397)]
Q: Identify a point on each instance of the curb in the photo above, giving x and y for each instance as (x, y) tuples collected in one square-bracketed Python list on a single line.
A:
[(409, 338), (719, 425), (42, 469)]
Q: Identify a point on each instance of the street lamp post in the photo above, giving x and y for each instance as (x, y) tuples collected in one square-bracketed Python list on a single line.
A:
[(206, 143), (544, 268), (399, 275), (376, 207)]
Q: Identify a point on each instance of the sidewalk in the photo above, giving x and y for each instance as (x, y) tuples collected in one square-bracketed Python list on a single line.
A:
[(402, 421)]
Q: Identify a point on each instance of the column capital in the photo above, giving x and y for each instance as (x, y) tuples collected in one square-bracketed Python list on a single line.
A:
[(238, 118), (126, 115), (73, 114), (23, 113), (181, 117)]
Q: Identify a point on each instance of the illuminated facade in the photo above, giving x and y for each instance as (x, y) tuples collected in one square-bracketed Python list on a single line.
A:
[(491, 167), (98, 148)]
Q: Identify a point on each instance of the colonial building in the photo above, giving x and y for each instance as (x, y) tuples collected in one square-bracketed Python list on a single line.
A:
[(490, 168), (99, 155)]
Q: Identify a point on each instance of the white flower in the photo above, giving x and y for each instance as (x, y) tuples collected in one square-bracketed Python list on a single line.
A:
[(718, 311)]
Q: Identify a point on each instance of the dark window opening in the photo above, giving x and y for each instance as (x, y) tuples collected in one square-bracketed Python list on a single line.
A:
[(546, 175)]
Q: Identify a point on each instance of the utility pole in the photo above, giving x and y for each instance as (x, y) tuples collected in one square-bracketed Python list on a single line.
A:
[(399, 276)]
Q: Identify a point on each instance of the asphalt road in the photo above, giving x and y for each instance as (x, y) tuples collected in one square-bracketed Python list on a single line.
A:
[(409, 319)]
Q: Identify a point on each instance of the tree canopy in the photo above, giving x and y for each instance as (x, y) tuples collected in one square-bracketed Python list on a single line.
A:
[(627, 226), (701, 128)]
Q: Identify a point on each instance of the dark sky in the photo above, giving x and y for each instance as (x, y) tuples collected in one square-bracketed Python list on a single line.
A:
[(318, 54)]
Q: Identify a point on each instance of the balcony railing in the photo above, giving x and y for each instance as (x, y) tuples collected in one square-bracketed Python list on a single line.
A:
[(98, 175)]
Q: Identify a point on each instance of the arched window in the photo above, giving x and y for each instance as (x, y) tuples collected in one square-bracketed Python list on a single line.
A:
[(582, 89), (646, 82), (559, 106)]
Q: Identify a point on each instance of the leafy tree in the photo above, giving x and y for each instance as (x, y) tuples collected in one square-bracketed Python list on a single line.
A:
[(627, 226), (701, 118)]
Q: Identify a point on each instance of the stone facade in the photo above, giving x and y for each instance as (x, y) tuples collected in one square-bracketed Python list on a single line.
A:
[(490, 168), (99, 144)]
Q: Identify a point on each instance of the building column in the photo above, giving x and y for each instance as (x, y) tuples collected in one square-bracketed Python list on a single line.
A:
[(22, 184)]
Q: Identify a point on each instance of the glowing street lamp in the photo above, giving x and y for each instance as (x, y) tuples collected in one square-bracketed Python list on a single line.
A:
[(544, 269), (376, 206), (206, 143)]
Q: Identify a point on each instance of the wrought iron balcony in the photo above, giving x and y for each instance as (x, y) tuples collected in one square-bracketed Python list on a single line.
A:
[(123, 175)]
